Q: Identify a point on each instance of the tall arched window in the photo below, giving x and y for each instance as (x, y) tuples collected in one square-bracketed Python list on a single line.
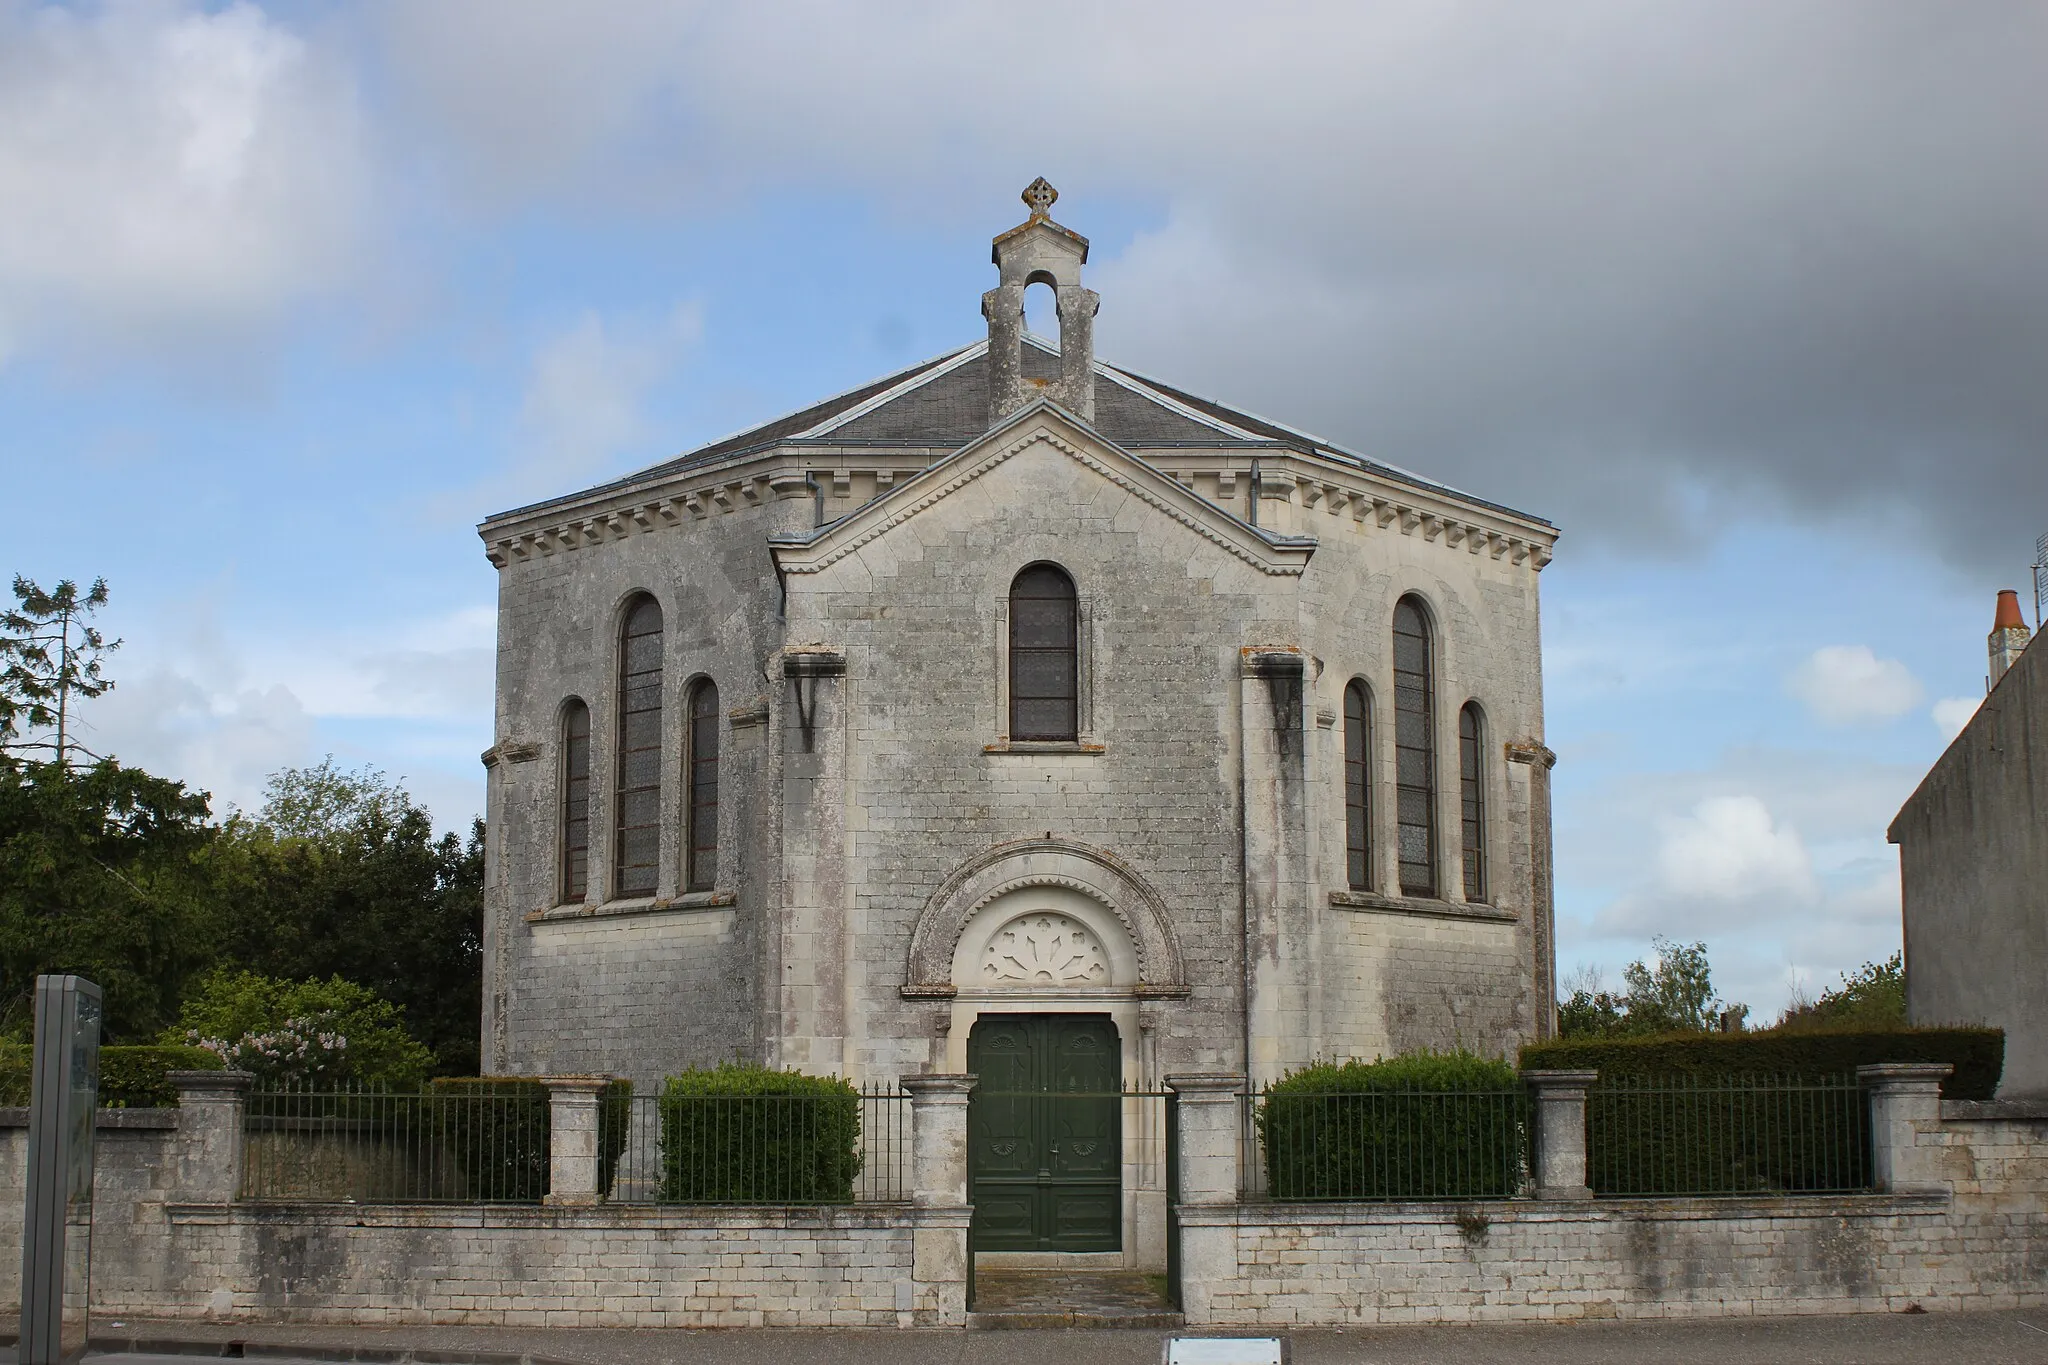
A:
[(1414, 749), (1472, 794), (1044, 658), (575, 801), (703, 786), (1358, 787), (638, 818)]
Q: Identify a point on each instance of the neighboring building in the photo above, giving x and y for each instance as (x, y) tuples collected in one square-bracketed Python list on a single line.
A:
[(1973, 861), (1016, 712)]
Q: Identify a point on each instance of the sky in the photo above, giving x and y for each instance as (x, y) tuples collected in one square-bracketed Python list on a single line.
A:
[(1747, 296)]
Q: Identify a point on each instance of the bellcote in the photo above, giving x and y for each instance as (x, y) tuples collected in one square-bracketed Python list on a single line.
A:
[(1040, 251)]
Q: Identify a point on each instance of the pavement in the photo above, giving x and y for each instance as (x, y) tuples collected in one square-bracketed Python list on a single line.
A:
[(2006, 1338)]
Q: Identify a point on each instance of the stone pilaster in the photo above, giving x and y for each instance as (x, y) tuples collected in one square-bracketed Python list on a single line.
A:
[(814, 942), (1561, 1132), (573, 1139), (212, 1144), (1905, 1102), (1279, 932)]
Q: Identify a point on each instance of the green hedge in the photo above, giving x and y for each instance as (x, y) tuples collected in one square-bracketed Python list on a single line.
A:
[(496, 1129), (1418, 1126), (1705, 1134), (1978, 1054), (130, 1077), (748, 1134)]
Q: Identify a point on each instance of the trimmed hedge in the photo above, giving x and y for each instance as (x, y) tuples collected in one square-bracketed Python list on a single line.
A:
[(749, 1134), (130, 1077), (497, 1129), (1418, 1126), (1978, 1054)]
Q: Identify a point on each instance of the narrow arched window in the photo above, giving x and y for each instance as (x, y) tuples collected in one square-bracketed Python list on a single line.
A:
[(1358, 787), (575, 802), (703, 785), (1414, 749), (638, 818), (1472, 795), (1044, 658)]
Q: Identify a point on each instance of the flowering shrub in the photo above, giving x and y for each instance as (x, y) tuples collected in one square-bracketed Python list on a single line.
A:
[(302, 1032), (311, 1048)]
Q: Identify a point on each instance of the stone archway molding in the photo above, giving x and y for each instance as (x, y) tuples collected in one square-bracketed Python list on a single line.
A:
[(1094, 872)]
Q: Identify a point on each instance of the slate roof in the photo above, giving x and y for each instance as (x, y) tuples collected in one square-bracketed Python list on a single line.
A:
[(941, 404)]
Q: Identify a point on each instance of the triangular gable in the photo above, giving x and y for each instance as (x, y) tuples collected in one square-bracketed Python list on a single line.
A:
[(1041, 420)]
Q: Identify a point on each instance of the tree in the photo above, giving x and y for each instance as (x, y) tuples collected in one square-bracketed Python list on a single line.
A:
[(48, 653), (339, 874), (1874, 997), (1676, 995), (101, 874)]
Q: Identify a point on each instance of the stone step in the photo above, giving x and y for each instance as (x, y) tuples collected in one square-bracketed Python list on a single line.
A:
[(1038, 1299)]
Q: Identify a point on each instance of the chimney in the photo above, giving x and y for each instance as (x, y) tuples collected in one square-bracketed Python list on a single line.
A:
[(2008, 634)]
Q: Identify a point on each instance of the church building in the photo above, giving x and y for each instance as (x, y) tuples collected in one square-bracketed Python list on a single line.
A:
[(1021, 714)]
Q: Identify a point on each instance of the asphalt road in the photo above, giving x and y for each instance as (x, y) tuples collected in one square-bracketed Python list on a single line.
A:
[(1916, 1339)]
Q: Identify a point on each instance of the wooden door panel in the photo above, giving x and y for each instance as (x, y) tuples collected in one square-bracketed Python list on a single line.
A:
[(1044, 1133)]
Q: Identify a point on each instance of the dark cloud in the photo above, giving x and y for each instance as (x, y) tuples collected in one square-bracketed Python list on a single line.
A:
[(1640, 268)]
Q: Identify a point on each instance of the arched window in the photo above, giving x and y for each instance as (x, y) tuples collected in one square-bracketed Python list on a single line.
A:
[(703, 786), (1358, 787), (575, 802), (1414, 749), (1472, 784), (638, 818), (1044, 660)]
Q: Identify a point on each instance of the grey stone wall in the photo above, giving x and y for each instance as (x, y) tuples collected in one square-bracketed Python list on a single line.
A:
[(1973, 859)]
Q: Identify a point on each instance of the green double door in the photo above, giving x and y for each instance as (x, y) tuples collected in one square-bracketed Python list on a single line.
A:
[(1045, 1150)]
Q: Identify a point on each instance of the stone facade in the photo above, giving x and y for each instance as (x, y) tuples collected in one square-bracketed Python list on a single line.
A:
[(843, 577)]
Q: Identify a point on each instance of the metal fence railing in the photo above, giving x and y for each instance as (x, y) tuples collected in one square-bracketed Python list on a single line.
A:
[(490, 1143), (767, 1149), (1385, 1144), (477, 1144), (1727, 1135)]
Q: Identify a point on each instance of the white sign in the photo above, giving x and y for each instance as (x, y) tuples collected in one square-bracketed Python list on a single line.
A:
[(1223, 1351)]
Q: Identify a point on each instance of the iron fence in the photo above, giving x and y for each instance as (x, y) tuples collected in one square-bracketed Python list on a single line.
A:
[(481, 1143), (1385, 1144), (1727, 1135), (489, 1143), (820, 1148)]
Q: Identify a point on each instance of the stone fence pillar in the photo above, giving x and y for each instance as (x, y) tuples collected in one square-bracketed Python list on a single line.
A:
[(1210, 1112), (938, 1179), (1905, 1101), (1211, 1131), (1561, 1132), (572, 1139), (211, 1141)]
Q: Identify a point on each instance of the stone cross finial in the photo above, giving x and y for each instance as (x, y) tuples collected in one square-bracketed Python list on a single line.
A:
[(1039, 196)]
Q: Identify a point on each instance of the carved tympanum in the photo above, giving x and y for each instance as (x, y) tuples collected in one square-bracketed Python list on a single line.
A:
[(1044, 948)]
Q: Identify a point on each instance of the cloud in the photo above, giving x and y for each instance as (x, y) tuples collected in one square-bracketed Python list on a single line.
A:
[(1728, 861), (1696, 252), (174, 173), (1951, 714), (1849, 685)]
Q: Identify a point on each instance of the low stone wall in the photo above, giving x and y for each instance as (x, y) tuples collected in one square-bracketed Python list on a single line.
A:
[(1961, 1222), (170, 1241), (1335, 1264)]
